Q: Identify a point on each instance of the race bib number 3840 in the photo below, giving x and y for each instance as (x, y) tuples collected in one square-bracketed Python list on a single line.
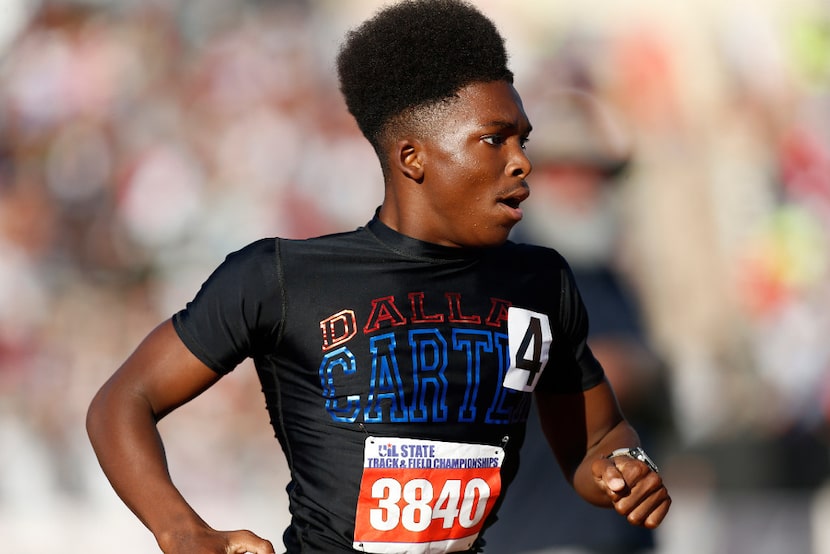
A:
[(423, 496)]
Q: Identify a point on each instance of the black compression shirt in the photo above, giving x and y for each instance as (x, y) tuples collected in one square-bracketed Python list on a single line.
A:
[(382, 358)]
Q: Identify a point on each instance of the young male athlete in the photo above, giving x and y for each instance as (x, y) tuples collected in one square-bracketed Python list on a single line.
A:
[(397, 360)]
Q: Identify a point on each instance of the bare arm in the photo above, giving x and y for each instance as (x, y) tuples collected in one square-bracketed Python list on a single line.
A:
[(161, 375), (582, 429)]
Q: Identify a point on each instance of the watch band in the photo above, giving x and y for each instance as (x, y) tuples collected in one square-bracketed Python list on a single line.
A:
[(638, 454)]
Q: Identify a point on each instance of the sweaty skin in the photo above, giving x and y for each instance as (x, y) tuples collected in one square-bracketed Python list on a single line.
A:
[(460, 187)]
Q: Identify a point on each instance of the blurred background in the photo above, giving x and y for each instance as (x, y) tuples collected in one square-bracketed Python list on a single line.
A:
[(682, 164)]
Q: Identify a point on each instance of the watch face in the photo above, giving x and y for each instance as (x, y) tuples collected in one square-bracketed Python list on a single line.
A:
[(640, 454)]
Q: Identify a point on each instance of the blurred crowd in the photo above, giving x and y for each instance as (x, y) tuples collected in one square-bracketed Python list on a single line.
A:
[(140, 142)]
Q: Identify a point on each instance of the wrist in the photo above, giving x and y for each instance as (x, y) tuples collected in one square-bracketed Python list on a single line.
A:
[(179, 529), (637, 453)]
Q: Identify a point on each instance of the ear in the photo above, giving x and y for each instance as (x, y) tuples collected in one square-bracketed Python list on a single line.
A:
[(409, 159)]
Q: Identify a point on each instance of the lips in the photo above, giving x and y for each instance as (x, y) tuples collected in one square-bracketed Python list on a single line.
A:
[(512, 201)]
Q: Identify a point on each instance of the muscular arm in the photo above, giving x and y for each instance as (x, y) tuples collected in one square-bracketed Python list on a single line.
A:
[(158, 377), (582, 429)]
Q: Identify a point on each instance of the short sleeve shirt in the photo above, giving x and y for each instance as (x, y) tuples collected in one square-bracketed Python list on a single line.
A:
[(371, 333)]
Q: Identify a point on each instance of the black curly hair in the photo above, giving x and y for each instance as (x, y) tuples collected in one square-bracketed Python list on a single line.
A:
[(416, 54)]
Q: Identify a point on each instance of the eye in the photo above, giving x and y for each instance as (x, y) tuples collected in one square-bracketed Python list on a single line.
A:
[(523, 142), (494, 140)]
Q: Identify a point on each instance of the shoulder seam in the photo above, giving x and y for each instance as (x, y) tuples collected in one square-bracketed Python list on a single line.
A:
[(281, 284)]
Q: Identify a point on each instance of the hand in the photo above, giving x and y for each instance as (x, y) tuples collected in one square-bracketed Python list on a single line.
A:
[(635, 491), (210, 541)]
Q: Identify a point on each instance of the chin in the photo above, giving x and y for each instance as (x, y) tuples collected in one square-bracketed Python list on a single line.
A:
[(495, 239)]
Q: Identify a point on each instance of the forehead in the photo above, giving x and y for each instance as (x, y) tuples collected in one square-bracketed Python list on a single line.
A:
[(491, 103)]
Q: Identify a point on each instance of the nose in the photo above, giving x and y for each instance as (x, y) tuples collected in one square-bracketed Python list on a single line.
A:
[(520, 165)]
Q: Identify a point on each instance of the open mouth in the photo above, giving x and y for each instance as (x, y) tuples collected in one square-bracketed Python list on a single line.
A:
[(511, 202), (515, 198), (511, 205)]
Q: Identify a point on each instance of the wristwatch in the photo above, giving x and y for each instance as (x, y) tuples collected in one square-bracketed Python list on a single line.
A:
[(638, 454)]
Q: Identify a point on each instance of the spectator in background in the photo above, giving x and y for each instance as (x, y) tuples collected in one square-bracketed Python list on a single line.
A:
[(580, 158)]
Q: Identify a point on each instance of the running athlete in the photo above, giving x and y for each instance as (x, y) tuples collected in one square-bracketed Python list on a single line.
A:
[(397, 360)]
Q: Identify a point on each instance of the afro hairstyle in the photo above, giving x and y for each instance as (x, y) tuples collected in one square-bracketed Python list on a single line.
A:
[(413, 54)]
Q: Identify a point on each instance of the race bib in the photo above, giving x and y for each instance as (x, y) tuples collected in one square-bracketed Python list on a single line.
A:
[(424, 496)]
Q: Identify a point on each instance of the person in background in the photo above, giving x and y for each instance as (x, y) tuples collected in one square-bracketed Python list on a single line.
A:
[(398, 360), (581, 157)]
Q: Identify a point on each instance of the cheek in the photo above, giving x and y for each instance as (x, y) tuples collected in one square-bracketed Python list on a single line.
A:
[(468, 198)]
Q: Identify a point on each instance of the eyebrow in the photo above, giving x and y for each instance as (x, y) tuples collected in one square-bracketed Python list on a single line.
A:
[(508, 125)]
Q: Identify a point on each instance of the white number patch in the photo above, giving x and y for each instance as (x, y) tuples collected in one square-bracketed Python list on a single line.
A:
[(529, 338)]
